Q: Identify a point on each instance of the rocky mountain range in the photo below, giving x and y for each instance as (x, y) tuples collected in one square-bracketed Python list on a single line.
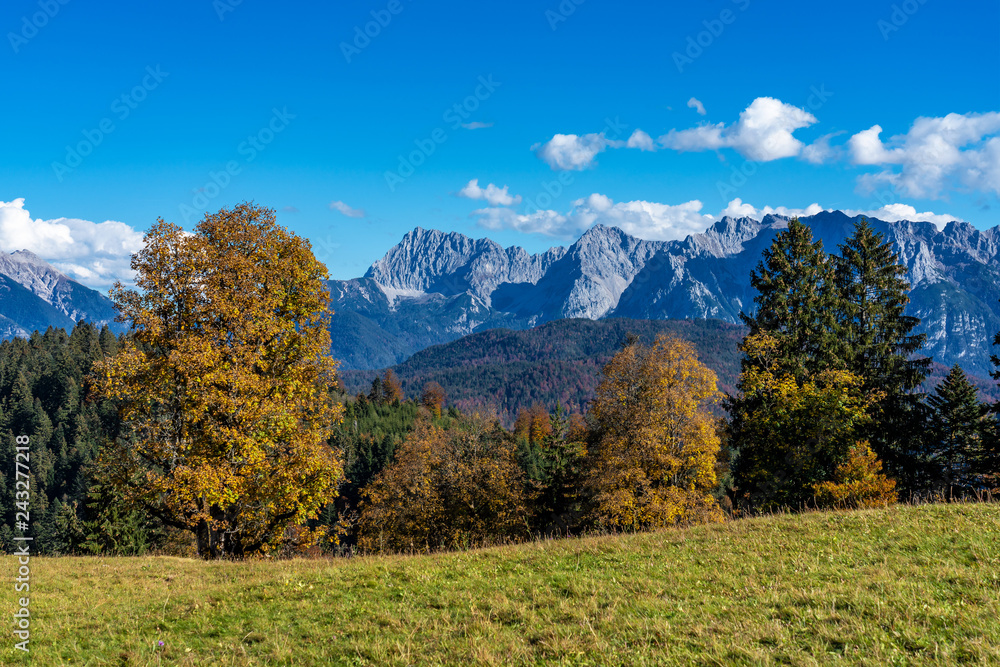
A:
[(434, 287), (34, 296)]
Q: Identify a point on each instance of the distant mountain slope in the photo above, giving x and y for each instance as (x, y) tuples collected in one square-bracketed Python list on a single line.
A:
[(435, 287), (22, 312), (34, 296), (561, 361), (558, 361)]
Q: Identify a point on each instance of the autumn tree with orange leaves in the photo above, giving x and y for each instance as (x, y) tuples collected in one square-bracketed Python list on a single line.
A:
[(656, 444), (224, 384), (446, 489)]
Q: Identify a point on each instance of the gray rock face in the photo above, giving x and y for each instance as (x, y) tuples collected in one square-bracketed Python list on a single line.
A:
[(439, 286), (432, 261)]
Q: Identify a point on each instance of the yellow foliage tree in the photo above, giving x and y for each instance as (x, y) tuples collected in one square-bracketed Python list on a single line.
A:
[(656, 447), (859, 482), (447, 489), (225, 383), (792, 433)]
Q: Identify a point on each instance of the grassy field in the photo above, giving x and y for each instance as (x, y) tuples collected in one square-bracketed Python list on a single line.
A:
[(902, 586)]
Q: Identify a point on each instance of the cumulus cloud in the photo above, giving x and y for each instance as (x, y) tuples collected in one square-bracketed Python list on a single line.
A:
[(641, 140), (897, 212), (663, 222), (643, 219), (763, 132), (571, 152), (737, 208), (695, 103), (347, 210), (94, 254), (476, 125), (935, 155), (492, 194)]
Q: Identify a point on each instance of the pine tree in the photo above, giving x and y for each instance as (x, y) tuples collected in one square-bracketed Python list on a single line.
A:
[(957, 433), (877, 343), (796, 302)]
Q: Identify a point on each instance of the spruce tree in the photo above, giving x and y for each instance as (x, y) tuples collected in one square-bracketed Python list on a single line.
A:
[(877, 342), (992, 462), (796, 302), (996, 374), (796, 312), (958, 427)]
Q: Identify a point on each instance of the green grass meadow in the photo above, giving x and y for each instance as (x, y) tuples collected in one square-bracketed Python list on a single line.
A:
[(907, 585)]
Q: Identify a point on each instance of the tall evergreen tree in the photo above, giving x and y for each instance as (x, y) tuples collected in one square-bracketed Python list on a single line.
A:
[(993, 432), (796, 313), (877, 342), (996, 374), (796, 302), (957, 432)]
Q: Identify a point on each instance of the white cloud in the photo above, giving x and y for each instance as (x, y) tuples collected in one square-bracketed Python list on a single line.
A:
[(94, 254), (663, 222), (572, 152), (695, 103), (347, 210), (476, 125), (897, 212), (643, 219), (737, 208), (957, 151), (820, 151), (641, 140), (492, 194), (763, 132)]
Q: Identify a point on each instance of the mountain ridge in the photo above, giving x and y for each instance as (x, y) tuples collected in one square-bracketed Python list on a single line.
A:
[(437, 286), (34, 295)]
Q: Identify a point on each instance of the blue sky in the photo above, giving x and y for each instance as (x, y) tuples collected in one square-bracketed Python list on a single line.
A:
[(556, 102)]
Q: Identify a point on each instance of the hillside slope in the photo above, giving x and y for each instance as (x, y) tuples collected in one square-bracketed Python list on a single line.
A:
[(560, 361), (900, 586)]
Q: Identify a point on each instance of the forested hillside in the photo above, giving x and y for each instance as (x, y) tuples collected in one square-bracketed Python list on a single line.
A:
[(558, 362)]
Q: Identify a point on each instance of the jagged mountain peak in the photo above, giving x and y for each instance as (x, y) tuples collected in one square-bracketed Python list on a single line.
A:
[(61, 300), (441, 285), (28, 257)]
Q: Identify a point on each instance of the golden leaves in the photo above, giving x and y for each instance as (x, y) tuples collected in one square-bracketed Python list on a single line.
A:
[(655, 459), (224, 379)]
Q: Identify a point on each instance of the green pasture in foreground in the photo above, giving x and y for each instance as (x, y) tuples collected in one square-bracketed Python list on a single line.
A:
[(908, 585)]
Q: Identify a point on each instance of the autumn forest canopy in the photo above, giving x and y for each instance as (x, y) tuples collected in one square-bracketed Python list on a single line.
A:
[(218, 424)]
